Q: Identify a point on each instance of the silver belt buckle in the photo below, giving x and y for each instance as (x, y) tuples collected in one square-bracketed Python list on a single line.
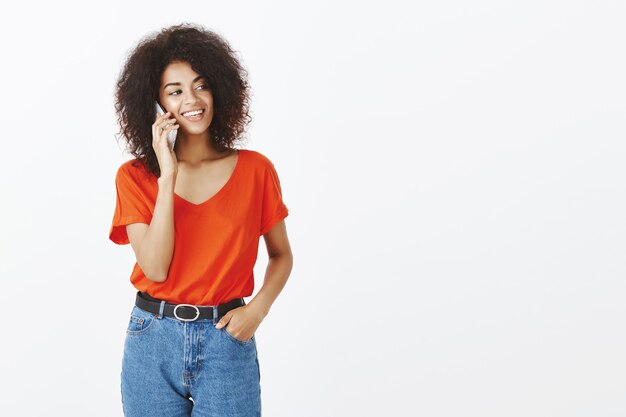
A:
[(187, 305)]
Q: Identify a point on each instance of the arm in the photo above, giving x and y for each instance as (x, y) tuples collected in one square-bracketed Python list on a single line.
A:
[(278, 269), (250, 316), (154, 244)]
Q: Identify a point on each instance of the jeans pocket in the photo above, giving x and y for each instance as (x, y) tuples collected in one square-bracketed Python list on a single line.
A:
[(231, 337), (140, 321)]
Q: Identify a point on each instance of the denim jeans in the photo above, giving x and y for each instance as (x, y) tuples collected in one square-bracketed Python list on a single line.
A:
[(175, 368)]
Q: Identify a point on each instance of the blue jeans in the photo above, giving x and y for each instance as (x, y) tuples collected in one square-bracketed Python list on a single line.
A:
[(174, 368)]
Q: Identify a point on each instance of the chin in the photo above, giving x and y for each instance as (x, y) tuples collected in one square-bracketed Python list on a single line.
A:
[(196, 130)]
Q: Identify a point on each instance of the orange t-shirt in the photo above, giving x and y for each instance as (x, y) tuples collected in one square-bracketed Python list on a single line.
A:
[(215, 242)]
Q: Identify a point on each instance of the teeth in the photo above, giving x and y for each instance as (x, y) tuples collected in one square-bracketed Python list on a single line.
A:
[(192, 113)]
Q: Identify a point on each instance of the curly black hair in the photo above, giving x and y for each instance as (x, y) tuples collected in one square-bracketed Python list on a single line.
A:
[(209, 55)]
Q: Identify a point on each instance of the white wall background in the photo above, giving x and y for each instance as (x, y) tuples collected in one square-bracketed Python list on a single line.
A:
[(455, 177)]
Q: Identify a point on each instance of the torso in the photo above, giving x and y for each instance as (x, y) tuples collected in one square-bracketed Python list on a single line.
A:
[(199, 183)]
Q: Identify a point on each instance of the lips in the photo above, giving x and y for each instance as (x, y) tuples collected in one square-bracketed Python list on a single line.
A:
[(196, 117)]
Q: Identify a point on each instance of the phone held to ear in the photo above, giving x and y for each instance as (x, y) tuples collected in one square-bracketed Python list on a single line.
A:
[(171, 136)]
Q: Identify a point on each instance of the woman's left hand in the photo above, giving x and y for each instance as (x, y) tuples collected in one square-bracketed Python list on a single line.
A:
[(241, 322)]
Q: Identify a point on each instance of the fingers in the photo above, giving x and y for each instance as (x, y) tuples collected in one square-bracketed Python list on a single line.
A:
[(162, 125), (169, 126), (161, 116), (223, 321), (163, 119)]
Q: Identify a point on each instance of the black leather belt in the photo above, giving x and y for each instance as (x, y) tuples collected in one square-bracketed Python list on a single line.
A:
[(184, 312)]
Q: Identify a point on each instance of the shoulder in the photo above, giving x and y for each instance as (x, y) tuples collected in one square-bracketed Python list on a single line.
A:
[(133, 169), (256, 159)]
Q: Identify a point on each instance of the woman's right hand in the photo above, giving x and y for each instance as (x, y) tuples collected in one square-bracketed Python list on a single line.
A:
[(165, 156)]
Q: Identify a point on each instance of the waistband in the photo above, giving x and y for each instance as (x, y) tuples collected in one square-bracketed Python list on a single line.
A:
[(184, 312)]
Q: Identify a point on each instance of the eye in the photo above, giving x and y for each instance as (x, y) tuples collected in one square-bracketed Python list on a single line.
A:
[(176, 91)]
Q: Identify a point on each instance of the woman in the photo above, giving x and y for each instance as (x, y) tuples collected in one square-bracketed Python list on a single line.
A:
[(194, 215)]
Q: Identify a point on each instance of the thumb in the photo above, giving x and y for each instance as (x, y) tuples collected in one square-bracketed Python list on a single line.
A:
[(223, 321)]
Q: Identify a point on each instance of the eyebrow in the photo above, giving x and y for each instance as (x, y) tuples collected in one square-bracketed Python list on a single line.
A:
[(194, 80)]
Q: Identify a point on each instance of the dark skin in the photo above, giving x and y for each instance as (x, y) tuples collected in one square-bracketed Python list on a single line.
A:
[(194, 153), (243, 321)]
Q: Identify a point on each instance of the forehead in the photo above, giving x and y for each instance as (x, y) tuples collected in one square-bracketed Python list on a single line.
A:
[(178, 72)]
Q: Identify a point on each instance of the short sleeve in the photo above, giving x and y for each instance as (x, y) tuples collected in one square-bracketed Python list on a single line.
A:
[(130, 207), (274, 209)]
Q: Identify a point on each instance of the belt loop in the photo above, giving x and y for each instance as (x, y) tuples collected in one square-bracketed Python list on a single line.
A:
[(215, 315), (161, 309)]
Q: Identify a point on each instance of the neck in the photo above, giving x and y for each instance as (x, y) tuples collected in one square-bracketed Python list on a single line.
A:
[(195, 148)]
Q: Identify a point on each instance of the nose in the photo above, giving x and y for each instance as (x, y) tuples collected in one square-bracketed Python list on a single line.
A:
[(190, 99)]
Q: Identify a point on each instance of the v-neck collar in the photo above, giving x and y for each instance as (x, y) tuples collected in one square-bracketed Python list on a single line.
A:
[(240, 152)]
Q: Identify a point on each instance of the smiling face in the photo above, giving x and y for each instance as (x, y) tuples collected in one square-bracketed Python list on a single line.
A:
[(183, 90)]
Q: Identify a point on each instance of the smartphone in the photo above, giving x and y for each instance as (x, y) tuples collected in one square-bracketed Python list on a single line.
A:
[(171, 136)]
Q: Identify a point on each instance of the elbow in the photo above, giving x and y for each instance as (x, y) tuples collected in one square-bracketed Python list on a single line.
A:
[(155, 276), (158, 278), (280, 253), (154, 272), (161, 276), (286, 257)]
